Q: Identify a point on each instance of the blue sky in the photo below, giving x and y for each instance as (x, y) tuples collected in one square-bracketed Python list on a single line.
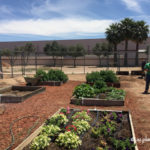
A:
[(23, 20)]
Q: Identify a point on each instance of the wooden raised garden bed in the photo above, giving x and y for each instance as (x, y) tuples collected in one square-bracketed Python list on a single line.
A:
[(98, 118), (122, 72), (32, 81), (136, 72), (16, 94), (99, 101), (51, 83)]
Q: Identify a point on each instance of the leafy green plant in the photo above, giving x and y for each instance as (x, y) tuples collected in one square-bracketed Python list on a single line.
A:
[(92, 77), (84, 91), (41, 73), (40, 142), (117, 94), (106, 129), (50, 130), (57, 75), (108, 76), (52, 75), (122, 144), (99, 84), (68, 140), (63, 111), (83, 115), (58, 119), (81, 125), (104, 90)]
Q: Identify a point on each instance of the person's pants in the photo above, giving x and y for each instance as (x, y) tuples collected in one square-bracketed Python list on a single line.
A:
[(147, 82)]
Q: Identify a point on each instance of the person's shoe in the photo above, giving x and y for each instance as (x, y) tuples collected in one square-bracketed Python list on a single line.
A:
[(145, 92)]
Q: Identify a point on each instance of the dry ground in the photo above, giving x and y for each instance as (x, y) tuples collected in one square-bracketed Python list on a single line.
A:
[(47, 103)]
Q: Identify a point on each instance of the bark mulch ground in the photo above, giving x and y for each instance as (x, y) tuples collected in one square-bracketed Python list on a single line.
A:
[(47, 103)]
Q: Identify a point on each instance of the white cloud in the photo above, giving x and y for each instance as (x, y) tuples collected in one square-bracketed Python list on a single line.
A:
[(61, 7), (54, 27), (133, 5)]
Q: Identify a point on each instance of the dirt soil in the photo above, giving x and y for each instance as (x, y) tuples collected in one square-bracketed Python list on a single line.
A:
[(47, 103)]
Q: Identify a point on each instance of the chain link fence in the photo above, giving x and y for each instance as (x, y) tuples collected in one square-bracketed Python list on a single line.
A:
[(72, 65)]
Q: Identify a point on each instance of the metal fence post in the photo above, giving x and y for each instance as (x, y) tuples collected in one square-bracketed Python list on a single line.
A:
[(1, 68)]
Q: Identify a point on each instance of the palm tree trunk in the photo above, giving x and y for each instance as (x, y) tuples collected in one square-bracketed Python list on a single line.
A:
[(126, 54), (137, 54), (115, 55)]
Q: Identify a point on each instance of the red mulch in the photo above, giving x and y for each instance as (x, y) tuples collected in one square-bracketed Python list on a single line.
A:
[(47, 103)]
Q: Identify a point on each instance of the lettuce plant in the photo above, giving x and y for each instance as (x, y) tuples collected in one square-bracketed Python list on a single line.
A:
[(40, 142), (68, 140), (58, 119), (117, 94), (84, 91), (50, 130), (83, 115), (81, 125)]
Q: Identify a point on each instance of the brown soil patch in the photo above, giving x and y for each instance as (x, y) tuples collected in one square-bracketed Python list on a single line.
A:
[(47, 103)]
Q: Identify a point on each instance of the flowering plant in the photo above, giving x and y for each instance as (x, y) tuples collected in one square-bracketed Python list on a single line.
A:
[(83, 115), (40, 142), (71, 128), (81, 125), (50, 130), (68, 140), (58, 119)]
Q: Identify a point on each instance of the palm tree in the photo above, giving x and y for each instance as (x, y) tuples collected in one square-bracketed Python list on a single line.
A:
[(140, 33), (113, 35), (126, 26)]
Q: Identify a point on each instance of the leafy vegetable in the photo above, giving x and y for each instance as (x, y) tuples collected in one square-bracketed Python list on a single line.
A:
[(84, 90), (117, 94)]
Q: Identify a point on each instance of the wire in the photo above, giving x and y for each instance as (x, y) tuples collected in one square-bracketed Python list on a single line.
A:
[(28, 133)]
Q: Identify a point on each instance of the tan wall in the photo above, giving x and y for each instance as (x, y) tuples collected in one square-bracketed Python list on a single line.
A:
[(89, 61)]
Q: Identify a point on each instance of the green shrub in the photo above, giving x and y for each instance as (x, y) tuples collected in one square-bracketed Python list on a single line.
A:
[(52, 75), (108, 76), (57, 75), (50, 130), (40, 142), (84, 90), (99, 84), (68, 140), (58, 119), (42, 74), (92, 77)]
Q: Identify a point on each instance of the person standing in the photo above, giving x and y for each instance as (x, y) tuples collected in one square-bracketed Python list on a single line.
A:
[(147, 69)]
